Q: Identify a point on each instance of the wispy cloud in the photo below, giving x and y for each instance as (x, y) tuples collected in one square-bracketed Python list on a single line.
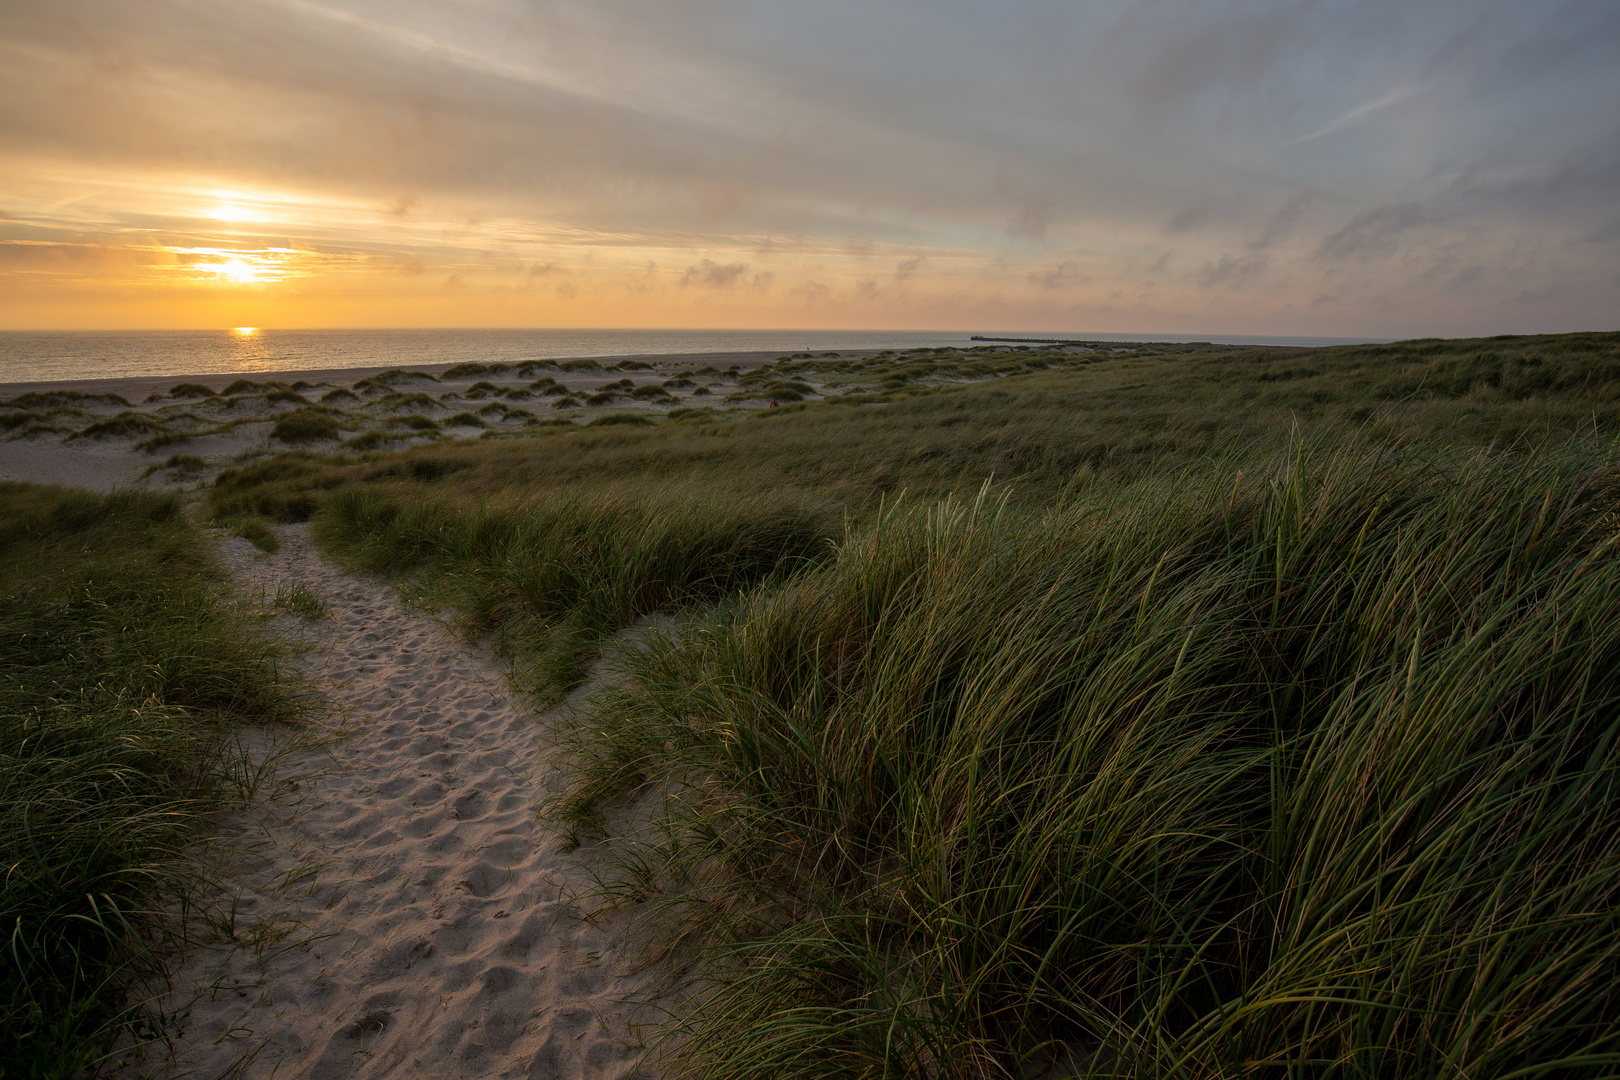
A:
[(1159, 166), (1360, 113)]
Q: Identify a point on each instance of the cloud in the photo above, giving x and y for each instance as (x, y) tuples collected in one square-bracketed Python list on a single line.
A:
[(712, 275), (494, 140), (74, 258), (1062, 275), (1230, 271), (1359, 113), (1189, 217), (814, 293), (1278, 225), (1030, 220), (413, 265), (1606, 233), (1374, 232)]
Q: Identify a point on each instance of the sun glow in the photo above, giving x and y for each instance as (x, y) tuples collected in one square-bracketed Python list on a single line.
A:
[(239, 206), (245, 331), (233, 213), (255, 266), (238, 271)]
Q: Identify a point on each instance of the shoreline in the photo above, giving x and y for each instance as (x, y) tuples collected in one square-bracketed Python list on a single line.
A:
[(56, 455), (139, 386)]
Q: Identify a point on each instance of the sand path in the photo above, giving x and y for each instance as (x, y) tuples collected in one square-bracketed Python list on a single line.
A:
[(400, 911)]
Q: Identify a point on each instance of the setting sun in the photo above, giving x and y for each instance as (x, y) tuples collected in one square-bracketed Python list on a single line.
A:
[(238, 271), (350, 164)]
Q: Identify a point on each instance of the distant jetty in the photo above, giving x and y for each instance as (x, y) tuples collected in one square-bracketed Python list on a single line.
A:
[(1032, 340), (1189, 346)]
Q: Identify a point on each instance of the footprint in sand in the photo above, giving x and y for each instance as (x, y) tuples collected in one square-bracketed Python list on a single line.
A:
[(400, 912)]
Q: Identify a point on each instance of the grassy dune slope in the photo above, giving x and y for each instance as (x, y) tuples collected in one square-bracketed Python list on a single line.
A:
[(1308, 773), (121, 673), (1259, 718), (1117, 416)]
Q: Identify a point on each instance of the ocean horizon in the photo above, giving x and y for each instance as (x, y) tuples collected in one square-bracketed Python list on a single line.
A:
[(73, 355)]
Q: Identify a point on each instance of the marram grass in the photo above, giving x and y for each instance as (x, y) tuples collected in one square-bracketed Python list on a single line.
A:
[(1148, 763), (121, 675), (1304, 772), (557, 576)]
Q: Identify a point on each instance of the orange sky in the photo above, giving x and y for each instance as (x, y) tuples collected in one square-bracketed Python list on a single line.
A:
[(1168, 167)]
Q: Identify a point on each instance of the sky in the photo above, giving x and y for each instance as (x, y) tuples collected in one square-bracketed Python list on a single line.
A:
[(1333, 168)]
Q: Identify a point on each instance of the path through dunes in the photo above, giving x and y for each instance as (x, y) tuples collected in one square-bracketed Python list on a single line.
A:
[(401, 912)]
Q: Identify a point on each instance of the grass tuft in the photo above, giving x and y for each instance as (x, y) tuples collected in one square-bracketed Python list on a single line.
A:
[(302, 600), (254, 531), (306, 426), (120, 426), (121, 676)]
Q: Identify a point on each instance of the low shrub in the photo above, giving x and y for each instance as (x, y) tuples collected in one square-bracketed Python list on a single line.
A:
[(61, 399), (305, 426), (473, 370), (120, 426), (634, 419), (378, 440)]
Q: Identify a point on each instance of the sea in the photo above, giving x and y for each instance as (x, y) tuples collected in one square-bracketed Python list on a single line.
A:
[(69, 355)]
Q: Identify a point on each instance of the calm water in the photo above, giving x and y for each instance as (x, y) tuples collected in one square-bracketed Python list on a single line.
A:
[(62, 355)]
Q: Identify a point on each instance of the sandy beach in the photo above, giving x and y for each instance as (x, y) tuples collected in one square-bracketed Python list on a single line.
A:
[(218, 432), (139, 387)]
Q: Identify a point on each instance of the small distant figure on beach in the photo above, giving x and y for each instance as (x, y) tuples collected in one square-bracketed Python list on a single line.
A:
[(773, 403)]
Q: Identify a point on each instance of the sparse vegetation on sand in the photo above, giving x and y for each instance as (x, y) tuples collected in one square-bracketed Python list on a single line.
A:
[(301, 600), (122, 674), (124, 424), (305, 426)]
